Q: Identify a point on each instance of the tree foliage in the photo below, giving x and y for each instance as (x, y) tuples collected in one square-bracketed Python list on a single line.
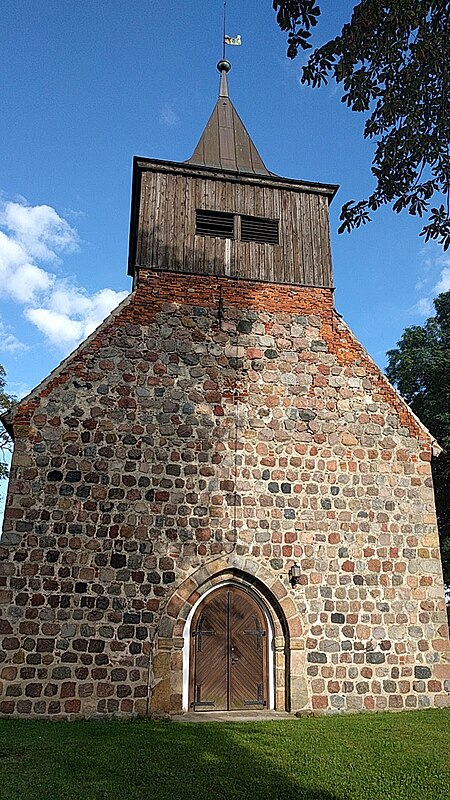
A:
[(6, 401), (420, 368), (393, 62)]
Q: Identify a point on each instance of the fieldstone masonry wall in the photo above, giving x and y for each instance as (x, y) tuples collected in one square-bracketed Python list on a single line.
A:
[(215, 427)]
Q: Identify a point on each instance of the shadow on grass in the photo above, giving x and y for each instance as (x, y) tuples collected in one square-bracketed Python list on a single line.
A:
[(227, 762), (151, 760), (360, 757)]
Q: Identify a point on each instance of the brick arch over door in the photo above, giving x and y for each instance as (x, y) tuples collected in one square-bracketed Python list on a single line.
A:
[(287, 625)]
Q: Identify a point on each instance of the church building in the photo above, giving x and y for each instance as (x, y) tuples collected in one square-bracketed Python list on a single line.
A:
[(217, 501)]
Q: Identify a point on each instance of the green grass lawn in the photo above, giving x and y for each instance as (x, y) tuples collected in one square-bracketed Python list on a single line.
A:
[(378, 757)]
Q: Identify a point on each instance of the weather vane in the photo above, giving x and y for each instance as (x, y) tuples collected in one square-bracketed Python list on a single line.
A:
[(227, 39)]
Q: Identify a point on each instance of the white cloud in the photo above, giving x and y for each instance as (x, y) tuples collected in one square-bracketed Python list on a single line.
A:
[(58, 328), (32, 238), (18, 389), (8, 342), (424, 307), (70, 315), (19, 278), (71, 212), (443, 284), (167, 115), (39, 229)]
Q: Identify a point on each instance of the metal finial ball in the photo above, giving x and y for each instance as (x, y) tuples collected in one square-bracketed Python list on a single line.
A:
[(224, 66)]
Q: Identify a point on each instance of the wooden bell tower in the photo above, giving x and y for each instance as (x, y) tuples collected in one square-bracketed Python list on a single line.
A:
[(223, 213)]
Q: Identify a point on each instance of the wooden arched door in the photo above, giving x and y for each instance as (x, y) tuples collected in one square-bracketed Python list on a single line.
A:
[(229, 652)]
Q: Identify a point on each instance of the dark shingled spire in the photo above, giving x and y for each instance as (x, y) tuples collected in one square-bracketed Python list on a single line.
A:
[(225, 143)]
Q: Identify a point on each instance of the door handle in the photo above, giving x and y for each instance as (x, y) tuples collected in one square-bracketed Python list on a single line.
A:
[(234, 657)]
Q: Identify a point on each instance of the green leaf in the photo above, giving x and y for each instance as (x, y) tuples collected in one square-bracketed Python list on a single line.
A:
[(391, 60)]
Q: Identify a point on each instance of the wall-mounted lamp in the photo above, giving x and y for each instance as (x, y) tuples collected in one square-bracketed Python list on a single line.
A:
[(294, 574)]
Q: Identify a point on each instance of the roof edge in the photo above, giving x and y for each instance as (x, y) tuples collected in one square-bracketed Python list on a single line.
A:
[(186, 167), (7, 419), (437, 449)]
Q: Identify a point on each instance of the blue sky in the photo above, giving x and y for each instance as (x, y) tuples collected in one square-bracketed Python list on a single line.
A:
[(87, 85)]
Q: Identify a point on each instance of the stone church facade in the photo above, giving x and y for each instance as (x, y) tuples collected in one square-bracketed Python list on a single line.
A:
[(218, 501)]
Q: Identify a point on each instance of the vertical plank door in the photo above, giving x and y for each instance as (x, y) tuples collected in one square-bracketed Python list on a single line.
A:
[(247, 684), (229, 653), (209, 691)]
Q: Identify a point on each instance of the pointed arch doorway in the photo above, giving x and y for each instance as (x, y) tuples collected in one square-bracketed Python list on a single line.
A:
[(229, 649)]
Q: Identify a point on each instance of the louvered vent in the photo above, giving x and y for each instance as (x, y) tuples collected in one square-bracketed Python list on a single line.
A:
[(259, 229), (214, 223)]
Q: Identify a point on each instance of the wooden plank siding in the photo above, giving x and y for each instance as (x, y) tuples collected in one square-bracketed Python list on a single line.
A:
[(166, 238)]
